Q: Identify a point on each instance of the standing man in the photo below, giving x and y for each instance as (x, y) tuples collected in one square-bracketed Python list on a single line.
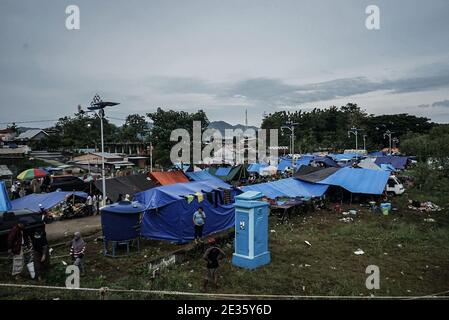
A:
[(212, 255), (41, 254), (199, 219), (16, 241), (77, 250), (90, 205)]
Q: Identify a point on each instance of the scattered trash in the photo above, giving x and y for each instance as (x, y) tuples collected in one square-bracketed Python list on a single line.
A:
[(333, 268), (64, 263), (399, 245), (345, 213), (303, 288), (272, 231), (190, 285), (56, 299), (145, 256), (191, 271), (308, 243), (346, 220), (402, 272), (307, 265), (424, 206), (359, 252), (429, 220), (353, 212)]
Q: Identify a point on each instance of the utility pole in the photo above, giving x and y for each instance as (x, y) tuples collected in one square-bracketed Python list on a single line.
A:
[(364, 141)]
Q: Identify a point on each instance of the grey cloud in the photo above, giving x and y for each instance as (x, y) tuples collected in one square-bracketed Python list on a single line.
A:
[(443, 103)]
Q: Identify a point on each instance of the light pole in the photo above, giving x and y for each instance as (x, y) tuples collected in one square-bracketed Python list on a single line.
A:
[(290, 125), (355, 131), (388, 134), (364, 142), (97, 105)]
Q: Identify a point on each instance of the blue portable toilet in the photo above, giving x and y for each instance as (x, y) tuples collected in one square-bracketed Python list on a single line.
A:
[(251, 231)]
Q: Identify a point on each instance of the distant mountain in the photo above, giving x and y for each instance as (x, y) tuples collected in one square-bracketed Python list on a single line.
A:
[(222, 126)]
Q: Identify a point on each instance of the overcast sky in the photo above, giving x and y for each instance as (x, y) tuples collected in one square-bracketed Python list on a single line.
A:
[(223, 57)]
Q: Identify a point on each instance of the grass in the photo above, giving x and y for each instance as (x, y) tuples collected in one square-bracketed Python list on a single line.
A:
[(413, 257)]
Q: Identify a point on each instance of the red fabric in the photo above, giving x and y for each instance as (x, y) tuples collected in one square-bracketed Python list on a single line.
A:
[(171, 177), (15, 240)]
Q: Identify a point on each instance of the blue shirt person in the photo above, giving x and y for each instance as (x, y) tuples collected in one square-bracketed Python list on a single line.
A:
[(199, 219)]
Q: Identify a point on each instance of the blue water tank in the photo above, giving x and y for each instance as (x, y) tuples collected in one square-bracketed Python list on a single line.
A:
[(251, 231), (121, 221)]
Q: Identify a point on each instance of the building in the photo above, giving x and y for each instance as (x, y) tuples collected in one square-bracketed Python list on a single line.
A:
[(33, 135), (7, 135)]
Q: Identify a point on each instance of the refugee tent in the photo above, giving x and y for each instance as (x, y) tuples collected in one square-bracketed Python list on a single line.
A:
[(289, 188), (223, 171), (326, 161), (304, 160), (201, 176), (368, 163), (268, 171), (120, 221), (48, 200), (314, 174), (377, 154), (169, 209), (284, 164), (397, 162), (5, 204), (345, 156), (357, 180), (168, 177), (255, 167), (125, 185), (230, 173), (387, 167)]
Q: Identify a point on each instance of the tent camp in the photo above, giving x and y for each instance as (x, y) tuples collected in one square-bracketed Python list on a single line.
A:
[(125, 185), (169, 209), (229, 174), (5, 204), (255, 167), (368, 163), (164, 178), (289, 188), (48, 200)]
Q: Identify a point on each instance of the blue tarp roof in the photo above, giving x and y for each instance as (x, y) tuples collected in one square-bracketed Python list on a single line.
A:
[(284, 163), (48, 200), (359, 180), (345, 156), (124, 207), (5, 204), (377, 154), (289, 187), (223, 171), (304, 160), (164, 195), (201, 176), (254, 167), (396, 161), (387, 167)]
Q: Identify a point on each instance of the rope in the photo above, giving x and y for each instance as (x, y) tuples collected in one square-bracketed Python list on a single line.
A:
[(104, 290)]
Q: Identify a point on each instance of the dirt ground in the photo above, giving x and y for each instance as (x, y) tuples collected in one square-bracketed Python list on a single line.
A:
[(64, 230)]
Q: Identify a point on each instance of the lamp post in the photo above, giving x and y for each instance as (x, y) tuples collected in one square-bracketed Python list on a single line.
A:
[(97, 106), (290, 125), (388, 134), (364, 141), (355, 131)]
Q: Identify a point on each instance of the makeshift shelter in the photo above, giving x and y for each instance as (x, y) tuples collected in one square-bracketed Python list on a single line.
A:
[(304, 160), (326, 162), (345, 156), (169, 209), (230, 174), (164, 178), (125, 185), (255, 167), (290, 188), (120, 221), (48, 200), (355, 180), (397, 162), (201, 176), (5, 204), (387, 167), (368, 163), (285, 163), (268, 171), (223, 171), (314, 174)]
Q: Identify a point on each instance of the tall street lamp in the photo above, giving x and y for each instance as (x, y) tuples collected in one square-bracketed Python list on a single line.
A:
[(364, 141), (97, 106), (388, 134), (290, 125), (355, 131)]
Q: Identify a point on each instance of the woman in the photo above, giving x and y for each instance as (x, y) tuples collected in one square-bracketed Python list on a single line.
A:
[(41, 255), (77, 250)]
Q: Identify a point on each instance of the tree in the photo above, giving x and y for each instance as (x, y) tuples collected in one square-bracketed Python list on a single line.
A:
[(164, 122), (134, 128)]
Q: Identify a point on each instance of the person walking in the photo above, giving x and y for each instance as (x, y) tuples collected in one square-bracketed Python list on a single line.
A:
[(199, 219), (77, 250), (212, 256), (41, 254), (90, 204)]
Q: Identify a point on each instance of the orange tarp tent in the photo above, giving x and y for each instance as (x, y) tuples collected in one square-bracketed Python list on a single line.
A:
[(170, 177)]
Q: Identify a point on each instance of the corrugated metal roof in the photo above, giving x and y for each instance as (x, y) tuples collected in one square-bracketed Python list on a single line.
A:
[(170, 177), (29, 134), (4, 170)]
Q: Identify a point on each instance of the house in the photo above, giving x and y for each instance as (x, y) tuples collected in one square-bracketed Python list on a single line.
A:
[(92, 161), (5, 173), (14, 153), (7, 134), (33, 135)]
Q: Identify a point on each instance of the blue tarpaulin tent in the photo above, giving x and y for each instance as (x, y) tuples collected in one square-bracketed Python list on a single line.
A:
[(48, 200), (327, 161), (255, 167), (223, 171), (201, 176), (304, 161), (345, 156), (169, 210), (396, 161), (285, 163), (5, 204), (358, 180), (377, 154), (387, 167), (289, 187)]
